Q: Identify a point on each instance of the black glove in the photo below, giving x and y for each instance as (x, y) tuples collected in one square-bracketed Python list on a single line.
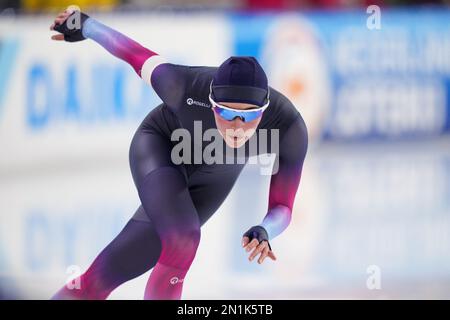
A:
[(71, 28), (259, 233)]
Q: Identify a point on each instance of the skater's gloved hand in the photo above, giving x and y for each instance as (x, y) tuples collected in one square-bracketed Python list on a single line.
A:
[(257, 239), (69, 24)]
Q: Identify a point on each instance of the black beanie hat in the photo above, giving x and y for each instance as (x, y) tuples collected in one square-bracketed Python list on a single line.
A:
[(240, 79)]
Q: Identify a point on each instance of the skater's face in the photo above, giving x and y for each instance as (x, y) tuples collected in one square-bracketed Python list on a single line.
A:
[(236, 132)]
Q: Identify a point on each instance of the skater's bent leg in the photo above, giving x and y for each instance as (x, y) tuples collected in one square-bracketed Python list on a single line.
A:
[(167, 202), (133, 252), (166, 279)]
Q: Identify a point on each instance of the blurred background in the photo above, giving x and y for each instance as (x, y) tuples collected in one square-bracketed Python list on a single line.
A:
[(372, 214)]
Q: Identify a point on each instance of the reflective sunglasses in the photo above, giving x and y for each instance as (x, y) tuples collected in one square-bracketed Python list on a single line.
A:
[(230, 114)]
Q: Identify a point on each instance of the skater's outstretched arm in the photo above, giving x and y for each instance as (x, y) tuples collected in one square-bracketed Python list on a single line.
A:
[(168, 80)]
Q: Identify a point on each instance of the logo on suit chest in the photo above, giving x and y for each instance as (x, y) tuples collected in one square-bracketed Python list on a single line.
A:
[(192, 102)]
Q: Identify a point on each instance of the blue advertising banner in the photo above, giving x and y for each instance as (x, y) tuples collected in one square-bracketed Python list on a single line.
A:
[(352, 81)]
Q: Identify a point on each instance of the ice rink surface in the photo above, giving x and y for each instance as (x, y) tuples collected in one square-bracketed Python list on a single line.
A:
[(362, 209)]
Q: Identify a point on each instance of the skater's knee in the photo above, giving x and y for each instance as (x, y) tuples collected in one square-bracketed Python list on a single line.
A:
[(179, 248)]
